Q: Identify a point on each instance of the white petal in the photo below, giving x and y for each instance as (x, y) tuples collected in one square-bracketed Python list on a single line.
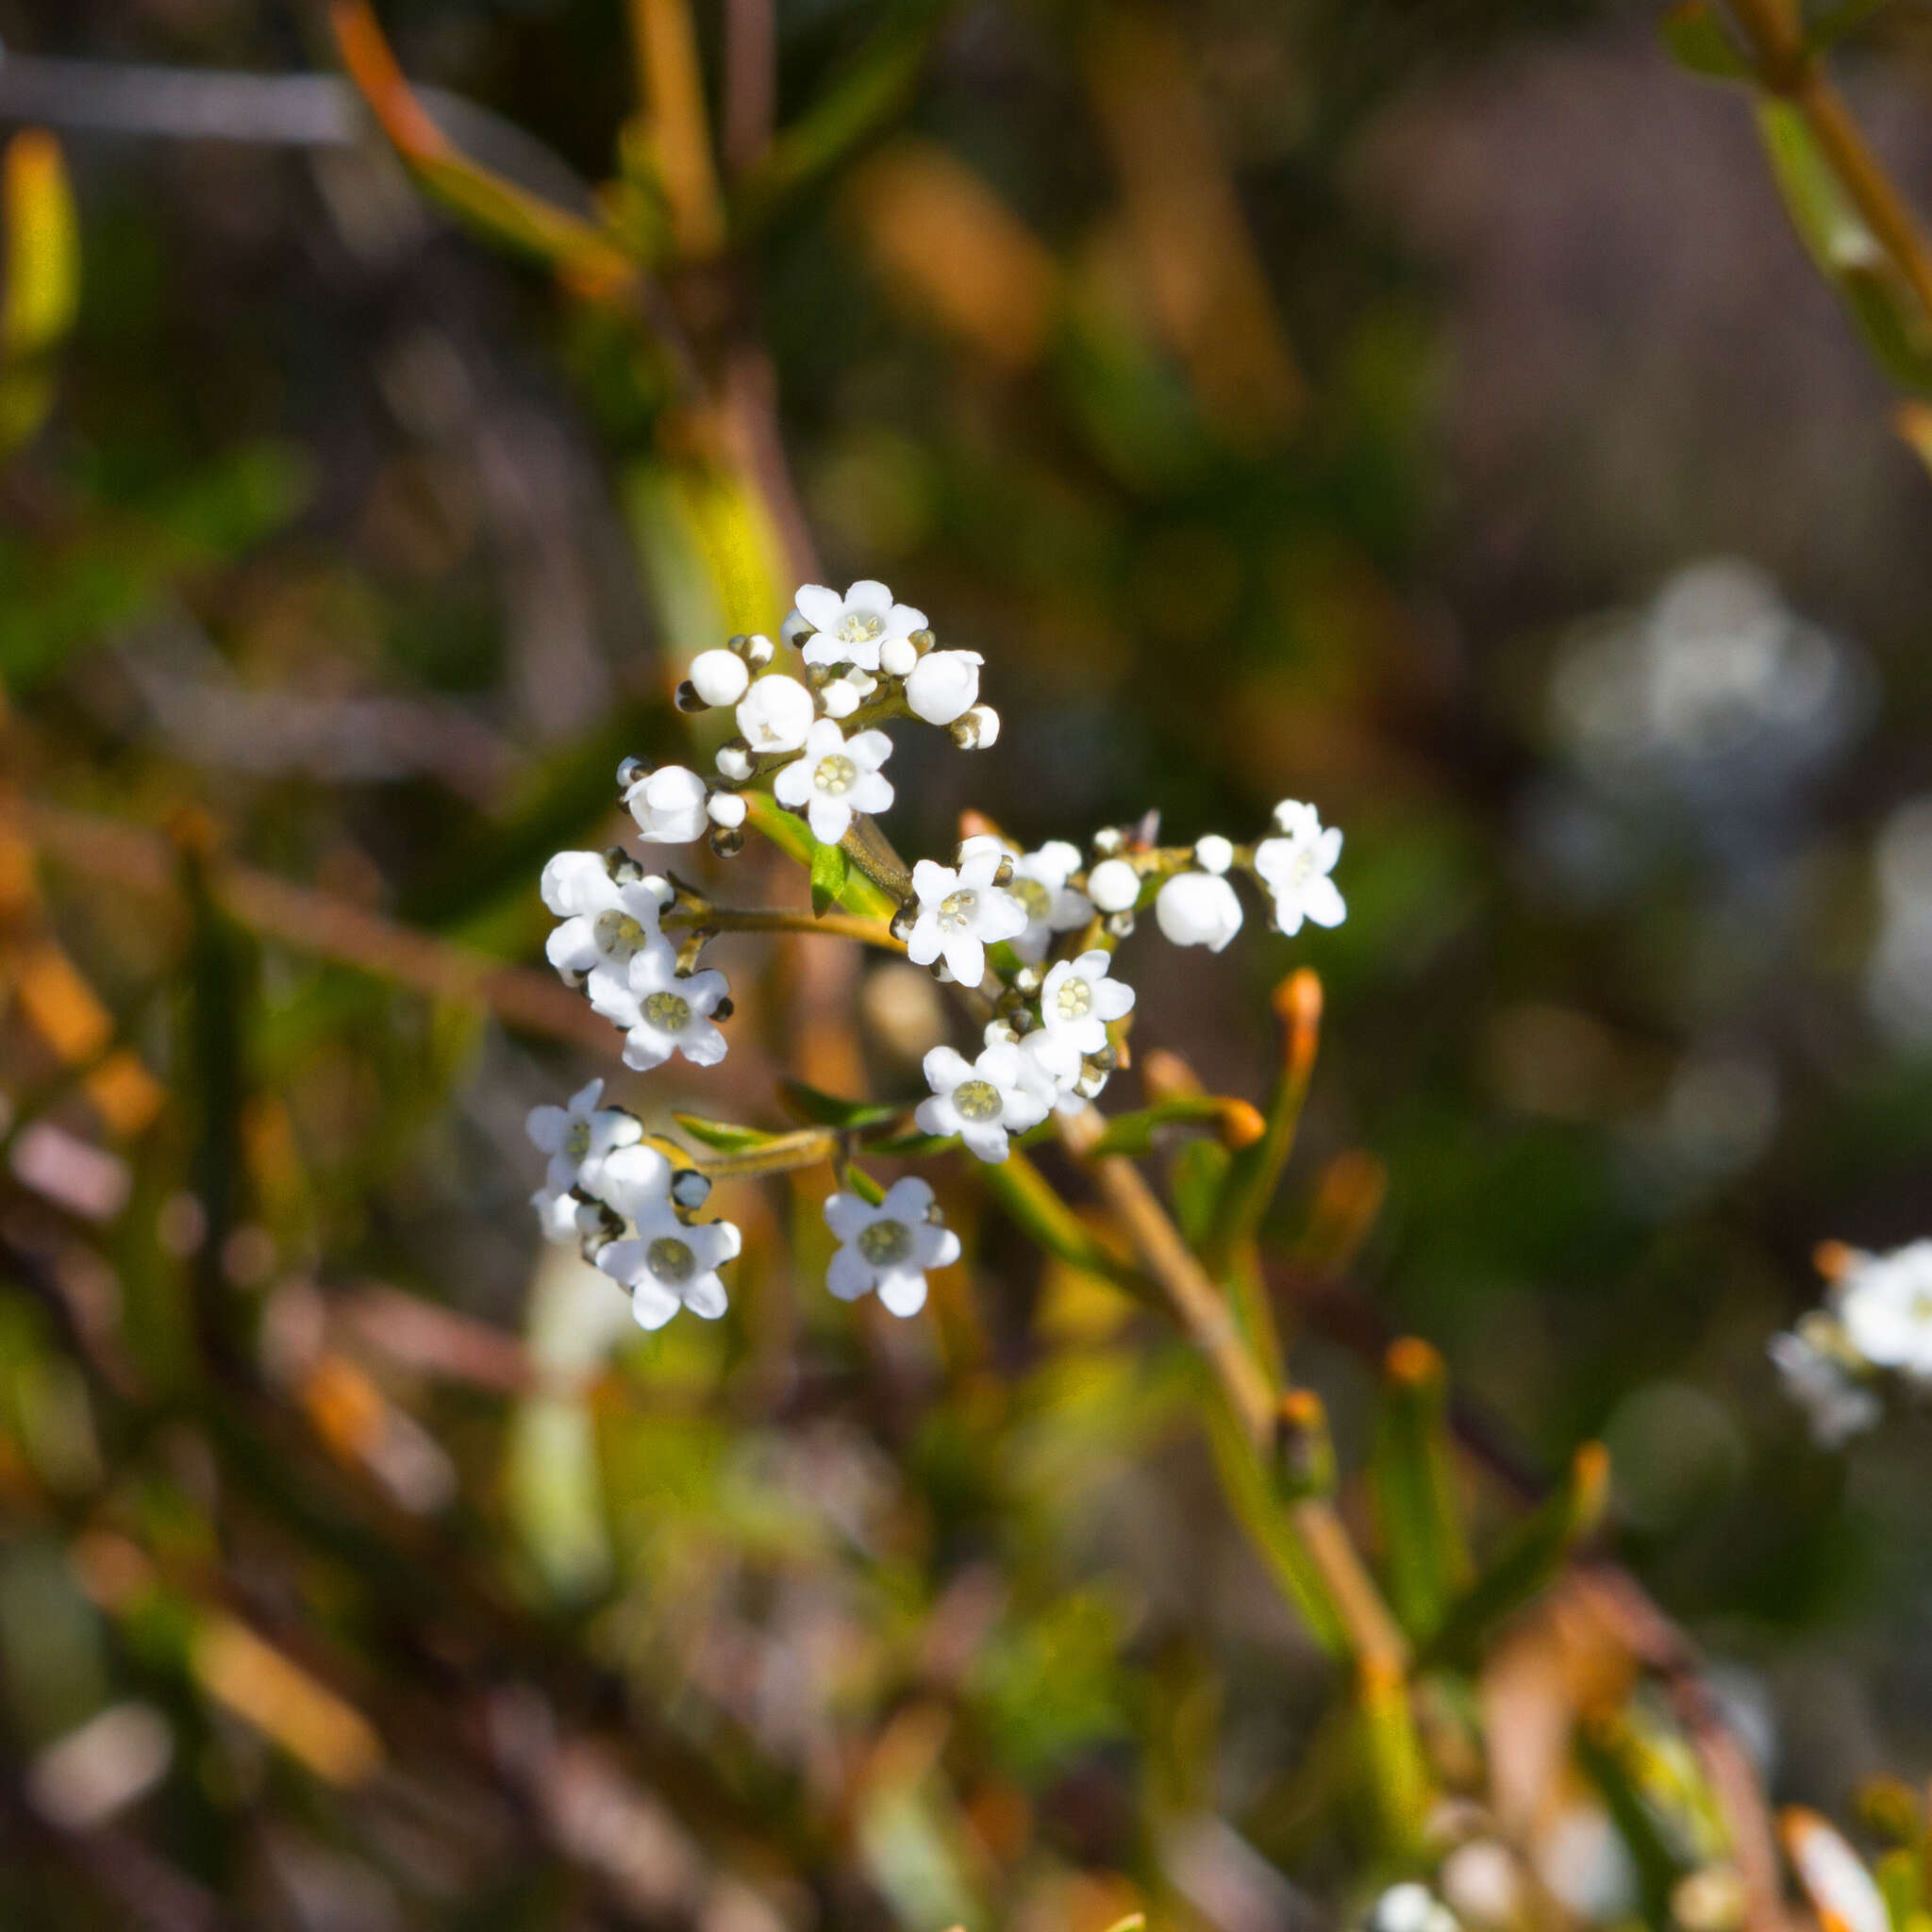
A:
[(572, 947), (652, 1303), (821, 606), (547, 1127), (645, 1048), (848, 1216), (945, 1069), (902, 1292), (830, 819), (907, 1199), (869, 595), (985, 1140), (793, 786), (936, 1116), (922, 942), (965, 958), (932, 882), (869, 749), (576, 882), (702, 1044), (849, 1276), (705, 1296), (1323, 903)]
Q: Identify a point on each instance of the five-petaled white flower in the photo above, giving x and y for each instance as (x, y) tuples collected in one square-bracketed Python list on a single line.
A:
[(1079, 999), (1052, 905), (670, 1264), (663, 1011), (668, 804), (1836, 1407), (1885, 1304), (578, 1137), (961, 912), (943, 685), (1296, 868), (603, 923), (888, 1247), (1198, 909), (852, 629), (776, 714), (836, 777), (982, 1101)]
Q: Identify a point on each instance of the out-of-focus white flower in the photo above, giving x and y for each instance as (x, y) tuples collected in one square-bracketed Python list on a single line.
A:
[(961, 912), (668, 804), (720, 677), (1213, 854), (635, 1181), (836, 776), (1482, 1883), (888, 1247), (776, 714), (1411, 1908), (1296, 868), (1836, 1407), (1197, 909), (1844, 1894), (1079, 999), (943, 685), (669, 1264), (1113, 885), (663, 1011), (1885, 1304), (603, 923), (577, 1137), (981, 1101), (851, 629), (556, 1214)]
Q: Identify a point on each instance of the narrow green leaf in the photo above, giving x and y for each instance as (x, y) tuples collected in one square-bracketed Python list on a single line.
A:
[(1530, 1559), (1425, 1560), (1194, 1184), (1133, 1133), (1697, 38), (828, 1110), (1031, 1202), (726, 1136), (790, 834), (829, 867)]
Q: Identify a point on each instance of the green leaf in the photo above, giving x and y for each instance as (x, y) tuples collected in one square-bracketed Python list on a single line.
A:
[(829, 869), (1033, 1205), (1530, 1559), (1698, 40), (765, 816), (1426, 1558), (1195, 1182), (828, 1110), (1133, 1133), (726, 1136)]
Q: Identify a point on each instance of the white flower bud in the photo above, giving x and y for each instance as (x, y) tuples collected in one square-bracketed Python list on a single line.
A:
[(720, 677), (1196, 909), (840, 698), (945, 685), (757, 650), (734, 760), (977, 729), (776, 714), (1213, 854), (725, 809), (669, 806), (795, 630), (897, 656), (1113, 885), (863, 682)]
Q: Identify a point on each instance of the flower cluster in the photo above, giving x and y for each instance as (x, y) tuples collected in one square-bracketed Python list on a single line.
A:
[(1028, 935), (1876, 1322)]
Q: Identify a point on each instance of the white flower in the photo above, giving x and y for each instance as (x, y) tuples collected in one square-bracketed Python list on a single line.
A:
[(1296, 868), (981, 1101), (1197, 909), (961, 912), (603, 923), (836, 777), (669, 1265), (1113, 885), (1411, 1908), (888, 1247), (1213, 854), (943, 685), (1079, 999), (668, 804), (1040, 884), (1836, 1407), (556, 1214), (1886, 1306), (720, 677), (635, 1180), (776, 714), (663, 1011), (851, 629), (577, 1137)]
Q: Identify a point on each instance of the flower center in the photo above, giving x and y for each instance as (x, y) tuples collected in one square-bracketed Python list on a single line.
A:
[(976, 1100), (885, 1243), (956, 909), (1035, 900), (577, 1141), (619, 935), (670, 1259), (834, 776), (859, 627), (668, 1012), (1301, 867), (1075, 998)]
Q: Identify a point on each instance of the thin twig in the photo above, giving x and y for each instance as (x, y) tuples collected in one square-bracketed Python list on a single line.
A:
[(672, 86), (751, 80)]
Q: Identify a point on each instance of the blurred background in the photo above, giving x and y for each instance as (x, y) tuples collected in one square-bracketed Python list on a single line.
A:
[(1425, 411)]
